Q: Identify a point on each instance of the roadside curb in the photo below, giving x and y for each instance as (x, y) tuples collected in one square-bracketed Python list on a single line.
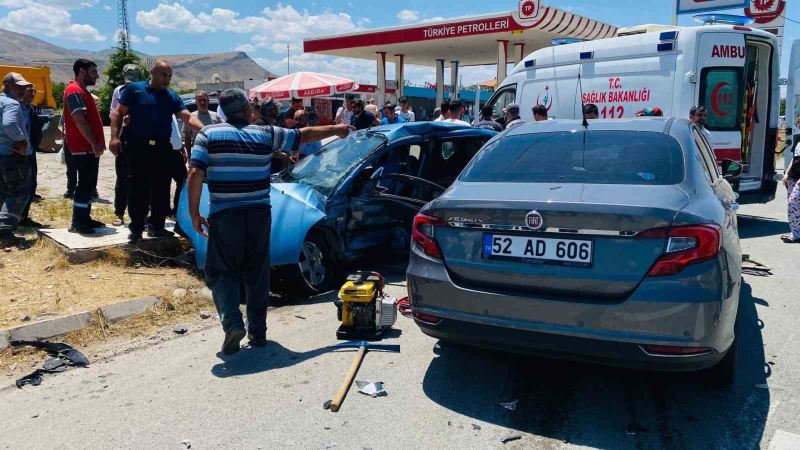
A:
[(62, 325)]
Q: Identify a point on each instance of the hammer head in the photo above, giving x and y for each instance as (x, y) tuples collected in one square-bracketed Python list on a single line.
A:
[(368, 345)]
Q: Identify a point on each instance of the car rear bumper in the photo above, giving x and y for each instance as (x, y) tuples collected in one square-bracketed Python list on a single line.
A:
[(595, 351), (658, 313)]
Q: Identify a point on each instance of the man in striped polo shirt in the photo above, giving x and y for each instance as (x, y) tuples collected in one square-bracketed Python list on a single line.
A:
[(235, 157)]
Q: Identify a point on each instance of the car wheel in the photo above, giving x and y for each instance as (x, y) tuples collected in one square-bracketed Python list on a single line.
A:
[(316, 270)]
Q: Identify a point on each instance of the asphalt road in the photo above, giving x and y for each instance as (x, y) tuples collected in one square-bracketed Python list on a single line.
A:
[(440, 396)]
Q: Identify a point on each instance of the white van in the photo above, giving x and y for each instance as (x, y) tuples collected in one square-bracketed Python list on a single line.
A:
[(732, 70), (793, 102)]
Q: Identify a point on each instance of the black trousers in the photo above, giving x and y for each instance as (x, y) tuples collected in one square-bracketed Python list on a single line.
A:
[(178, 174), (72, 171), (87, 167), (149, 163), (34, 171), (121, 185), (238, 260)]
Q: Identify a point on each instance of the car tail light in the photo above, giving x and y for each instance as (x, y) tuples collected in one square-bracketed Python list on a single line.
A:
[(422, 234), (685, 246), (427, 318), (675, 350)]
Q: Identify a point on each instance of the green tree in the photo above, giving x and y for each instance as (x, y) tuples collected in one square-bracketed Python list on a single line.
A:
[(58, 93), (783, 107), (113, 77)]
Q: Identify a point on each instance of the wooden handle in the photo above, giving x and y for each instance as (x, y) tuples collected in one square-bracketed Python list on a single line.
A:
[(348, 380)]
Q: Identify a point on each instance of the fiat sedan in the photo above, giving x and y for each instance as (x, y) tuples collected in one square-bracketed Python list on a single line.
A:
[(614, 243)]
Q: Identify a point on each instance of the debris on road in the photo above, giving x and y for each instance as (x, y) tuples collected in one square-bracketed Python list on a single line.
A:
[(372, 388), (511, 406), (511, 438), (301, 317), (180, 329), (179, 293), (62, 356), (205, 315), (476, 427), (187, 443), (327, 404), (328, 444)]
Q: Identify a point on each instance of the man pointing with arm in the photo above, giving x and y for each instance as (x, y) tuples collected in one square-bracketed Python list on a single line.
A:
[(235, 157)]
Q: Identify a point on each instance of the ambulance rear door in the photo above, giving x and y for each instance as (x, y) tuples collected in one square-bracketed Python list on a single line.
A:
[(721, 89)]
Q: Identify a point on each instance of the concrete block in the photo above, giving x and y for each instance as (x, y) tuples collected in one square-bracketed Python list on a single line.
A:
[(3, 339), (122, 310), (50, 328)]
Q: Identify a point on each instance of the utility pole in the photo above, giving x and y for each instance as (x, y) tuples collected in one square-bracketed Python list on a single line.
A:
[(123, 38)]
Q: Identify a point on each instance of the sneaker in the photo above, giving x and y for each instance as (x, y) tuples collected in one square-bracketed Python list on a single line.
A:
[(82, 229), (7, 240), (30, 223), (134, 237), (37, 198), (69, 194), (96, 224), (95, 196), (232, 339), (259, 341), (790, 239), (162, 233)]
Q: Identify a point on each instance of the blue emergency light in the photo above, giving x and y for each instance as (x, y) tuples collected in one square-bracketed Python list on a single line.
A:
[(724, 19), (565, 41), (587, 55), (666, 46), (530, 63)]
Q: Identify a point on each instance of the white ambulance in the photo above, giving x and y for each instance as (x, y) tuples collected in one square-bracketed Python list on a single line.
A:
[(793, 102), (732, 70)]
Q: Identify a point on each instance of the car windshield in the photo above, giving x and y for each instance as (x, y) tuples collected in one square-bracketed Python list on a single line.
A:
[(333, 162), (592, 157)]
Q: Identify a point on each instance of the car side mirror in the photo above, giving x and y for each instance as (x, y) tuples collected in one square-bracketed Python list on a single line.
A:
[(731, 170)]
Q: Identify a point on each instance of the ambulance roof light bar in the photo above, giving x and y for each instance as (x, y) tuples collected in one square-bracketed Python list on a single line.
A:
[(722, 19), (565, 41)]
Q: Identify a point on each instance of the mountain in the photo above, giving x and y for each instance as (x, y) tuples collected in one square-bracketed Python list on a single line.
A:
[(23, 50)]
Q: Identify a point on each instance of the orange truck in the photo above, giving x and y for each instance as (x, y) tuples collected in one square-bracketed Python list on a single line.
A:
[(44, 100)]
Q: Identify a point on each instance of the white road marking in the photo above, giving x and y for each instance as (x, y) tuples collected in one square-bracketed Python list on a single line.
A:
[(783, 440)]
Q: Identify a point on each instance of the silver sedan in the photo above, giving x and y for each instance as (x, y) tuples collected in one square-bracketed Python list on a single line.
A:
[(614, 243)]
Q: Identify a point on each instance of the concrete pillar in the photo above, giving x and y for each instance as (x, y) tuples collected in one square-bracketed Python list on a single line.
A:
[(502, 61), (380, 91), (400, 74), (453, 80), (519, 52), (439, 82)]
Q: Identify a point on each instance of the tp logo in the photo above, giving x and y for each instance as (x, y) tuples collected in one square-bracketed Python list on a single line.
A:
[(765, 11), (545, 99), (529, 9)]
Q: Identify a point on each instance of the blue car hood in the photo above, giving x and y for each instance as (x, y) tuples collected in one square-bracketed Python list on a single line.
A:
[(296, 208)]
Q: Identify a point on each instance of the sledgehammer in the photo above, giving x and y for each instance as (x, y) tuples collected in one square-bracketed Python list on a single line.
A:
[(362, 346)]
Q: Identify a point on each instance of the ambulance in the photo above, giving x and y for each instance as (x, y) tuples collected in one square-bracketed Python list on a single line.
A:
[(792, 102), (732, 70)]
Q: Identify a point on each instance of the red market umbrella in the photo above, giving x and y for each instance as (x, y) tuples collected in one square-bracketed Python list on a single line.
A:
[(303, 85)]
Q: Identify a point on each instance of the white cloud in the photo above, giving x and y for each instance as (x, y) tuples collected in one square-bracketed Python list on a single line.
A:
[(247, 48), (152, 39), (170, 17), (408, 16), (51, 22), (62, 4), (107, 7)]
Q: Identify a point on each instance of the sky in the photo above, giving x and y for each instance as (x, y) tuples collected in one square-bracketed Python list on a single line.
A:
[(263, 29)]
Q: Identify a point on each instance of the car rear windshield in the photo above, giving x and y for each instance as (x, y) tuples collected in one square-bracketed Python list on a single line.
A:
[(594, 157)]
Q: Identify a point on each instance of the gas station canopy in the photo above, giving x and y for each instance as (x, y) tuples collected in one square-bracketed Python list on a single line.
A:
[(499, 39)]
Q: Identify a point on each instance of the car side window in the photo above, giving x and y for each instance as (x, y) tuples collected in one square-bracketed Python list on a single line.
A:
[(707, 156), (448, 158)]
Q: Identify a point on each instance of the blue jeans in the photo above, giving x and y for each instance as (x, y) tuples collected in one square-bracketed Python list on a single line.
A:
[(238, 259), (15, 191)]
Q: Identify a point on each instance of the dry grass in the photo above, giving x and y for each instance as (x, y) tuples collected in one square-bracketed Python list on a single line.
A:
[(38, 282), (165, 313), (57, 213)]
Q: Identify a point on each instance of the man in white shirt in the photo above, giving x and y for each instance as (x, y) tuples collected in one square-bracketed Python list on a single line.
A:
[(444, 111), (406, 112), (456, 111), (345, 112)]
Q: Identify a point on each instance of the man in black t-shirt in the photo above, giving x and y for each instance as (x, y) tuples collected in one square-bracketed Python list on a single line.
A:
[(362, 119)]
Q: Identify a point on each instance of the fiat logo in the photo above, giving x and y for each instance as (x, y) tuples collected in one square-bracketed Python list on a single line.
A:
[(533, 220)]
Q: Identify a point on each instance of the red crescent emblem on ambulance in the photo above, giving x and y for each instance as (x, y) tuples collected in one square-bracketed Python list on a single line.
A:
[(715, 99)]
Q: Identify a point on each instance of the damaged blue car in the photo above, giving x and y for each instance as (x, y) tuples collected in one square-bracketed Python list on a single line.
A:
[(355, 198)]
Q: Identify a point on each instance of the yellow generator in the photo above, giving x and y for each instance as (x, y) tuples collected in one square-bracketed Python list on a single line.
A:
[(363, 308)]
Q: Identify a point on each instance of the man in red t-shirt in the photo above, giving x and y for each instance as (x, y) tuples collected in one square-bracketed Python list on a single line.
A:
[(85, 141)]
